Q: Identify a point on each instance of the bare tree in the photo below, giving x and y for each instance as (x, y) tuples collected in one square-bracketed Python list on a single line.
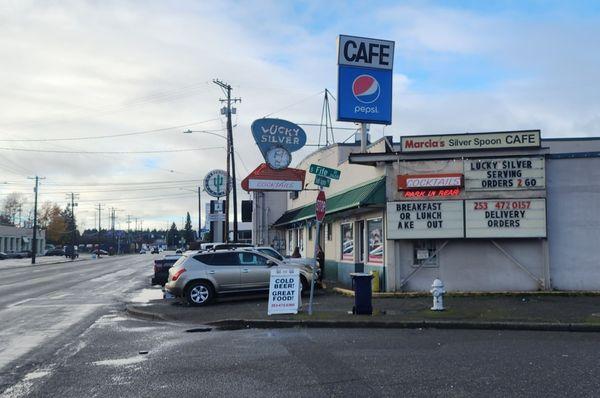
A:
[(12, 205)]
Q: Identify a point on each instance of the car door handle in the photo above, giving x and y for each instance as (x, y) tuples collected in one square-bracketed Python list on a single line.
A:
[(211, 272), (245, 270)]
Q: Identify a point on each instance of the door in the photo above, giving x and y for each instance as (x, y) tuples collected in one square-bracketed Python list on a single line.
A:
[(224, 269), (255, 272), (361, 246)]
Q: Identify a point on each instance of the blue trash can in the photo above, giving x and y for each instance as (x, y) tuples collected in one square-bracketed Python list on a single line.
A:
[(361, 283)]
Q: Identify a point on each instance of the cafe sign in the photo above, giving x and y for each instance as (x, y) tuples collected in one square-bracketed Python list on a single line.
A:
[(472, 141), (505, 218), (500, 174), (425, 219)]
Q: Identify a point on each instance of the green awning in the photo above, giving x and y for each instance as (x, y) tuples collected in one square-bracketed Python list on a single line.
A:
[(369, 194)]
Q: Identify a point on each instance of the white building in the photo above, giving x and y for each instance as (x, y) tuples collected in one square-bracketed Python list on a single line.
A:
[(492, 218), (15, 239)]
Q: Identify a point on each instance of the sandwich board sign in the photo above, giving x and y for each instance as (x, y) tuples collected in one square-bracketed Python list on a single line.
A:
[(284, 291)]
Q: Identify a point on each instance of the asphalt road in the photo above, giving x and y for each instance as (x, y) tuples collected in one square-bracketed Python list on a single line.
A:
[(81, 344), (44, 306)]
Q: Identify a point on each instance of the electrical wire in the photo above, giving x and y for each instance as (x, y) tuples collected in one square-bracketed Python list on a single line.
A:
[(108, 152), (97, 137), (294, 104)]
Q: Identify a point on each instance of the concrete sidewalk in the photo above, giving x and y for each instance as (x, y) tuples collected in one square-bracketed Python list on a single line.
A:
[(39, 261), (575, 312)]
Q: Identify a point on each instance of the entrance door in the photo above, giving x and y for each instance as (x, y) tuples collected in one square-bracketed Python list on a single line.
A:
[(361, 243)]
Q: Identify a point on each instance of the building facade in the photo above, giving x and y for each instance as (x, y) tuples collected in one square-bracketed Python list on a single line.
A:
[(486, 218), (15, 239)]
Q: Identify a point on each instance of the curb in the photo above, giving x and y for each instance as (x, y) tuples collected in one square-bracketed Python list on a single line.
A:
[(559, 293), (236, 324), (149, 315)]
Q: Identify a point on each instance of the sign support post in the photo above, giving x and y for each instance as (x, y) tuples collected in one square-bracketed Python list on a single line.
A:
[(320, 207)]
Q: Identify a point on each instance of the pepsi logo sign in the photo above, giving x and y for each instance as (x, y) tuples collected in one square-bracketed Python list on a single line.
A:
[(366, 89)]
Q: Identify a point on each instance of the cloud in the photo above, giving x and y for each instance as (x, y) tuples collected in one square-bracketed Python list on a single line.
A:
[(73, 69)]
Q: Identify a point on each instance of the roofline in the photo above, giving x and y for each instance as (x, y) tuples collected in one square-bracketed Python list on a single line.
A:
[(372, 159)]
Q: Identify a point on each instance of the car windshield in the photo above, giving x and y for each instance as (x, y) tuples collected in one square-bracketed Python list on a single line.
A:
[(272, 253)]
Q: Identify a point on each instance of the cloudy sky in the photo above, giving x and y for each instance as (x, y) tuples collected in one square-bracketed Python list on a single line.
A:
[(95, 94)]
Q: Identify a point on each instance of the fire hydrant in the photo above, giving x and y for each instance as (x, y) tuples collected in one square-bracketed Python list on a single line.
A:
[(437, 289)]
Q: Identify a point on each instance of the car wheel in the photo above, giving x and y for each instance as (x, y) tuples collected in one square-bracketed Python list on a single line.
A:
[(199, 293)]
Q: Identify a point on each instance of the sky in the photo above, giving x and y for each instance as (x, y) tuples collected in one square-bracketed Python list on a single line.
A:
[(95, 95)]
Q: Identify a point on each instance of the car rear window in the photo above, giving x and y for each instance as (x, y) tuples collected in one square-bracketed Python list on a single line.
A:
[(218, 258)]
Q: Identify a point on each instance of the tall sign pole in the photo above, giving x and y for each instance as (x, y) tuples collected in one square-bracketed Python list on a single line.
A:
[(320, 208), (199, 214)]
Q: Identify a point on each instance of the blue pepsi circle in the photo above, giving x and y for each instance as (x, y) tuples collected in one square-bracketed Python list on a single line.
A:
[(366, 89)]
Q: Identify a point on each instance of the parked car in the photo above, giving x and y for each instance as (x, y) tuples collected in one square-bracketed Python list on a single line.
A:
[(155, 250), (162, 267), (55, 252), (3, 256), (269, 251), (200, 277), (143, 251), (99, 252)]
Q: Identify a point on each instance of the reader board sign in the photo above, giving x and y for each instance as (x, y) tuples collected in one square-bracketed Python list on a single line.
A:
[(425, 220), (505, 174), (506, 218), (365, 69), (473, 141), (284, 291)]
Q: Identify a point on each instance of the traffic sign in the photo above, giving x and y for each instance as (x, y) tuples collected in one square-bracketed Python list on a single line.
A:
[(324, 171), (322, 181), (320, 206)]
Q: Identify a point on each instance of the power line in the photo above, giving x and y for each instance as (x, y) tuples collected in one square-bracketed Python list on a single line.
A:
[(108, 152), (97, 137)]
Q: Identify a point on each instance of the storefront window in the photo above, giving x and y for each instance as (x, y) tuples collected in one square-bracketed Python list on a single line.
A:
[(329, 233), (301, 239), (348, 242), (423, 253), (310, 232), (375, 232)]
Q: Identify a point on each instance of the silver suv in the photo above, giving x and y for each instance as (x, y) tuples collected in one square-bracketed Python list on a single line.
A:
[(200, 277)]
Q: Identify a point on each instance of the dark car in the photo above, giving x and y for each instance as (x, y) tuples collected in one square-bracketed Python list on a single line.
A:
[(55, 252), (3, 256), (155, 251), (100, 252), (162, 267)]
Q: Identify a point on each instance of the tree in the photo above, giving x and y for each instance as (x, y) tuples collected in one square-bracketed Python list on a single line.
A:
[(13, 204), (53, 220), (173, 236), (188, 233)]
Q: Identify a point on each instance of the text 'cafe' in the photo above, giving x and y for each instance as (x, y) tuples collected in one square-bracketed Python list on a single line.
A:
[(504, 211)]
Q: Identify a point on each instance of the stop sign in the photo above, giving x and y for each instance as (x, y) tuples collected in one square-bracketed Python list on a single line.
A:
[(320, 206)]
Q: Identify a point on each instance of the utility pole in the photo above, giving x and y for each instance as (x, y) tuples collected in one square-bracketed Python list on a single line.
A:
[(99, 208), (230, 159), (34, 243), (73, 232), (128, 222)]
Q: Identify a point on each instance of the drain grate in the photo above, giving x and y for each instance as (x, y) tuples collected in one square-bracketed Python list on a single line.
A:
[(198, 330)]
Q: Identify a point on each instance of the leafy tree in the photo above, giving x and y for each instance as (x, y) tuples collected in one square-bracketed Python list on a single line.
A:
[(188, 233), (173, 236), (56, 226)]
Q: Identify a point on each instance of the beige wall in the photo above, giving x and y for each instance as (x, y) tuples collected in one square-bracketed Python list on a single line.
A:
[(336, 157)]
